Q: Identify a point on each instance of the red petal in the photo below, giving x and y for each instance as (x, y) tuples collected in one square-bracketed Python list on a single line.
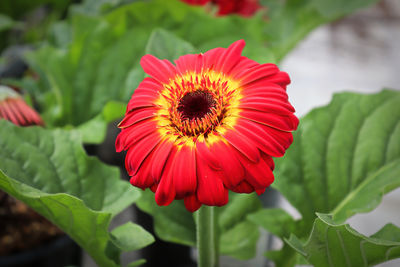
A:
[(165, 193), (243, 64), (267, 104), (204, 152), (211, 57), (281, 78), (258, 175), (120, 141), (281, 122), (161, 70), (192, 203), (233, 172), (256, 73), (21, 112), (161, 154), (137, 154), (242, 144), (137, 116), (230, 57), (243, 187), (141, 101), (154, 187), (149, 86), (260, 92), (261, 138), (263, 85), (143, 178), (283, 138), (260, 191), (189, 63), (137, 132), (8, 114), (184, 172), (210, 190)]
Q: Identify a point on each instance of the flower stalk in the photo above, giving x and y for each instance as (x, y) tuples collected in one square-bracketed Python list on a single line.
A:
[(207, 237)]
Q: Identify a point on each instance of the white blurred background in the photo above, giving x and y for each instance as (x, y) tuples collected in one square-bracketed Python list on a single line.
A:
[(359, 53)]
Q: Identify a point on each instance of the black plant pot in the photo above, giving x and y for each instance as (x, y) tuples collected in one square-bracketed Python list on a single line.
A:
[(162, 253), (60, 252)]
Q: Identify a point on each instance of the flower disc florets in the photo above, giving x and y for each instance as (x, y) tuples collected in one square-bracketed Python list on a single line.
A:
[(210, 124), (196, 104)]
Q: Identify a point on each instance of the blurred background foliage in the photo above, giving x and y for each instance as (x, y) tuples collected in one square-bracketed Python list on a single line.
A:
[(91, 56)]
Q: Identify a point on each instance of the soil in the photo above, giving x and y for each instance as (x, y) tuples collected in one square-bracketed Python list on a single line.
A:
[(21, 228)]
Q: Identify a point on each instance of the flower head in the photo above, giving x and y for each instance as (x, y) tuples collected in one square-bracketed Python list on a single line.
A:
[(205, 126), (245, 8), (13, 108)]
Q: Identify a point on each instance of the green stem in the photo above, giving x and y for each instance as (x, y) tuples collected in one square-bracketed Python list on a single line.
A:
[(207, 237)]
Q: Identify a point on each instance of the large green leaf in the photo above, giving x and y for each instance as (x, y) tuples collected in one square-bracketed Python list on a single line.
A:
[(49, 171), (345, 156), (93, 71), (290, 21), (333, 244)]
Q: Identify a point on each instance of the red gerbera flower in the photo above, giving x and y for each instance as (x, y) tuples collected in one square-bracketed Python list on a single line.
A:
[(245, 8), (13, 108), (205, 126)]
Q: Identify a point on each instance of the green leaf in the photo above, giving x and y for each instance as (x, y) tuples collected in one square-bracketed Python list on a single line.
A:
[(92, 71), (277, 221), (114, 110), (172, 223), (136, 263), (238, 235), (165, 45), (292, 20), (334, 9), (345, 156), (5, 22), (332, 244), (49, 171), (131, 236), (92, 131)]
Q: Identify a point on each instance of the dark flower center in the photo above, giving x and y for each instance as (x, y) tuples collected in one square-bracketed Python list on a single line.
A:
[(195, 105)]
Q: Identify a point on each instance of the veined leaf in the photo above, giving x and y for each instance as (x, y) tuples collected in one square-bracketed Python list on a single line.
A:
[(332, 244), (345, 156), (49, 171)]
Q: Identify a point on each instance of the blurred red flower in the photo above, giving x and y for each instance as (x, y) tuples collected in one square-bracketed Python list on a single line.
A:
[(205, 126), (13, 108), (245, 8)]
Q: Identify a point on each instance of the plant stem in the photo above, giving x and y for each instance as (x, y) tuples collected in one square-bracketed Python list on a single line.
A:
[(207, 237)]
